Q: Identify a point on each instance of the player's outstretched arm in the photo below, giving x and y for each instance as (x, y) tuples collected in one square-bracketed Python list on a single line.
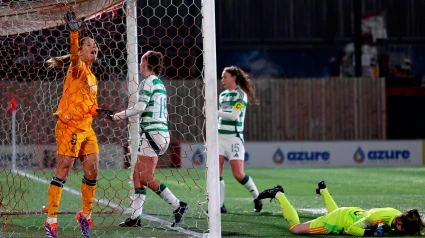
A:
[(74, 25), (357, 228), (138, 108), (105, 113)]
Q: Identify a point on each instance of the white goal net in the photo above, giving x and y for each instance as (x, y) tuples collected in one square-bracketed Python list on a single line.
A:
[(31, 32)]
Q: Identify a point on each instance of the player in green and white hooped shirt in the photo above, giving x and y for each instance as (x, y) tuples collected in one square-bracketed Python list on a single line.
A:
[(155, 139), (232, 110)]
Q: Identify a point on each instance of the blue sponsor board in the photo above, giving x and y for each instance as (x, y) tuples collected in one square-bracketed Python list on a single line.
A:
[(300, 156), (380, 155), (317, 154)]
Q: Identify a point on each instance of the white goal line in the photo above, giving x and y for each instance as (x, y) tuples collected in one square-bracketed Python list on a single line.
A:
[(113, 205)]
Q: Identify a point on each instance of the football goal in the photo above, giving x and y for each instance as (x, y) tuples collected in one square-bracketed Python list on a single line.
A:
[(31, 32)]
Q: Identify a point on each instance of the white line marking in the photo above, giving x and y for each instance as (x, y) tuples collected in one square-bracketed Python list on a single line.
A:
[(113, 205), (320, 211)]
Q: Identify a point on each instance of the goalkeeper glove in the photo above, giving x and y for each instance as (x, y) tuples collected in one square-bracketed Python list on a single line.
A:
[(104, 113), (72, 23)]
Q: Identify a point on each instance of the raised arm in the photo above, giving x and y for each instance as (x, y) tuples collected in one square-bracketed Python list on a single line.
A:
[(74, 49), (74, 26)]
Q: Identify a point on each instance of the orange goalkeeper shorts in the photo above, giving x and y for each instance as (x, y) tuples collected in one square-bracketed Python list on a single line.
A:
[(74, 142)]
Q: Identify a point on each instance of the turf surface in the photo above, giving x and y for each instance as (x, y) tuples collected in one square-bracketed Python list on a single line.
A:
[(398, 187)]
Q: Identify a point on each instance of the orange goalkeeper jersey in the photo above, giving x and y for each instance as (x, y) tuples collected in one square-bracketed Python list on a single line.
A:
[(78, 103)]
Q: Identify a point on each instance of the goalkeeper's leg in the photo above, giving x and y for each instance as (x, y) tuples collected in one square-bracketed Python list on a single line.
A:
[(54, 193), (90, 164), (329, 201), (288, 211)]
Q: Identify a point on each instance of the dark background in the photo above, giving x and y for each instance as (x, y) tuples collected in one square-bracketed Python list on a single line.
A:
[(267, 38)]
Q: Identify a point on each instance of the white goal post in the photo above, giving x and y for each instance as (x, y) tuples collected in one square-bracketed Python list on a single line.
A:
[(33, 31)]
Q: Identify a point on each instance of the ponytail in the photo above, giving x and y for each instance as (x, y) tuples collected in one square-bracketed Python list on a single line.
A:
[(59, 62), (244, 81)]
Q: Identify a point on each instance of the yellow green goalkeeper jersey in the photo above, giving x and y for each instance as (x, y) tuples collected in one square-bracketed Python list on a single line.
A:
[(352, 220)]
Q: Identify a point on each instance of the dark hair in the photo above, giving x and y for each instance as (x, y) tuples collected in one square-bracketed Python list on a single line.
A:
[(155, 61), (244, 81), (411, 222), (63, 61)]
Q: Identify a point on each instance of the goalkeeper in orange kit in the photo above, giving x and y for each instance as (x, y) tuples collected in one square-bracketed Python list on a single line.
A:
[(347, 220), (75, 136)]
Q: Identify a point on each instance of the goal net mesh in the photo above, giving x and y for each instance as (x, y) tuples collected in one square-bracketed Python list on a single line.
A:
[(31, 32)]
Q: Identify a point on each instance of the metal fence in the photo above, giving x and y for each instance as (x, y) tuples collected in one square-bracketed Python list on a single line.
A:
[(290, 109)]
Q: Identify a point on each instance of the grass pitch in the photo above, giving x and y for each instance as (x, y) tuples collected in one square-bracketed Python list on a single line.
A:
[(398, 187)]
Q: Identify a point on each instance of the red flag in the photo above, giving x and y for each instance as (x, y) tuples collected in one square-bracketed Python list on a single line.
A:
[(11, 106)]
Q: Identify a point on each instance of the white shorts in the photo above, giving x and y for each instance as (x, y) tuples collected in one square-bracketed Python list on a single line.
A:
[(231, 147), (161, 139)]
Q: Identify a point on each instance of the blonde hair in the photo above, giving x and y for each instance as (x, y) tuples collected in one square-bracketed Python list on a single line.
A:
[(62, 61)]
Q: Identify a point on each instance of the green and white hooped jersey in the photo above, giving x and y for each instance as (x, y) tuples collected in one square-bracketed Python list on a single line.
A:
[(154, 94), (235, 99)]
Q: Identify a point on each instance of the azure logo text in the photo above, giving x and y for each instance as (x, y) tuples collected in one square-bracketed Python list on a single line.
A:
[(310, 155), (359, 155), (302, 156)]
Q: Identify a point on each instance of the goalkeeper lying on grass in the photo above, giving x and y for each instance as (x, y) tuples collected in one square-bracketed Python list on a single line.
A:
[(347, 220)]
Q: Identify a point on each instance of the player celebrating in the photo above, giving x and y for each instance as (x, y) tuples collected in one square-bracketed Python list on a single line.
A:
[(152, 107), (74, 135), (347, 220), (232, 111)]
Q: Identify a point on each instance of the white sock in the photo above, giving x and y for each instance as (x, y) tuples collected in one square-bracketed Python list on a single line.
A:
[(222, 186), (169, 197), (277, 194), (137, 205), (51, 220), (250, 185)]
